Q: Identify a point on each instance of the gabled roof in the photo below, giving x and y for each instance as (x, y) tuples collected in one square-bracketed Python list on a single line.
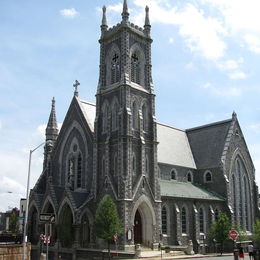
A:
[(174, 147), (89, 111), (186, 190), (207, 143)]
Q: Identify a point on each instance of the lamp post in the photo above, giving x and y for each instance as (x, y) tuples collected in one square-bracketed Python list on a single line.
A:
[(27, 202)]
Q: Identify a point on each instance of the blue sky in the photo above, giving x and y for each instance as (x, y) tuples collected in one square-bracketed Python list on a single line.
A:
[(205, 59)]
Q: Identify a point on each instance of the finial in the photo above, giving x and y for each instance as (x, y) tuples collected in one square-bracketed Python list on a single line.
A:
[(104, 19), (53, 103), (52, 126), (147, 19), (125, 14), (234, 115), (147, 25), (75, 85)]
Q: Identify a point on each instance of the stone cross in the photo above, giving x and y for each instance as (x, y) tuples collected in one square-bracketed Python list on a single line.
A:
[(75, 85)]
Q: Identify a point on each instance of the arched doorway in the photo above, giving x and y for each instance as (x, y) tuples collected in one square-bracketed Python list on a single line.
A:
[(66, 230), (138, 228), (33, 233), (85, 231), (143, 220), (48, 208)]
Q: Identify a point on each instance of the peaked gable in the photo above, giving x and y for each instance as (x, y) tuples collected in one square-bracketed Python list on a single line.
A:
[(207, 143)]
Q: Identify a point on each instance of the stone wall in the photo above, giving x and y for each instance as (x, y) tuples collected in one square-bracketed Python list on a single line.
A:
[(14, 251)]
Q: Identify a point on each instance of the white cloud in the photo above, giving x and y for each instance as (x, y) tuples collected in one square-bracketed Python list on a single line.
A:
[(240, 20), (229, 64), (237, 75), (201, 33), (115, 8), (69, 13), (171, 40), (255, 127), (254, 42), (222, 92), (1, 124)]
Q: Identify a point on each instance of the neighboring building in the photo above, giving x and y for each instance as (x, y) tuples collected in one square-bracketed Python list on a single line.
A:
[(11, 220), (2, 222), (167, 183), (22, 214)]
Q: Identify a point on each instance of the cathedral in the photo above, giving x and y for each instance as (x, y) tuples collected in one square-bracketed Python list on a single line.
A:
[(169, 184)]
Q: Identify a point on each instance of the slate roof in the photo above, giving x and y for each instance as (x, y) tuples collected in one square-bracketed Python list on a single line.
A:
[(186, 190), (58, 193), (195, 148), (174, 147), (79, 197), (207, 143), (89, 111)]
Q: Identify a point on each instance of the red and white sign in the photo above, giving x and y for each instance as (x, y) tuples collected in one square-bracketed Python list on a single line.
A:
[(233, 234), (47, 239)]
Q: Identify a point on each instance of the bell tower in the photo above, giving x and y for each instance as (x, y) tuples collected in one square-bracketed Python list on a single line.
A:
[(125, 150)]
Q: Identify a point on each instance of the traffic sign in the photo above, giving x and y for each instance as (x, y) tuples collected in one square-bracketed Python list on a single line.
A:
[(47, 217), (233, 234)]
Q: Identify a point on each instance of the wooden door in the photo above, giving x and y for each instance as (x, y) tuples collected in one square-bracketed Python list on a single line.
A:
[(138, 228)]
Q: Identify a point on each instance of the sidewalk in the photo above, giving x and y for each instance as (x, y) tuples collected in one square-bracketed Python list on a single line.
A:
[(156, 255)]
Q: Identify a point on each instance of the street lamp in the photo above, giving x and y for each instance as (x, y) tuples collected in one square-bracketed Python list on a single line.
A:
[(27, 201)]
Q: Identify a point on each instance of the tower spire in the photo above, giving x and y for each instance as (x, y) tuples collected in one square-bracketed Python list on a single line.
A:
[(52, 131), (147, 25), (104, 20), (125, 14)]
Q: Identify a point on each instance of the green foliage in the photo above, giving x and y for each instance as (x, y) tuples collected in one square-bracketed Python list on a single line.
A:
[(13, 222), (107, 222), (242, 234), (256, 235), (219, 230)]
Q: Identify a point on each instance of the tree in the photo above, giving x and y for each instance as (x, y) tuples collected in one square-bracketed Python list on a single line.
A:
[(13, 222), (107, 222), (242, 234), (219, 230), (256, 235)]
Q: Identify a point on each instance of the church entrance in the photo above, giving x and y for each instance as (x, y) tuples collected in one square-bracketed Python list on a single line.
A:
[(138, 228), (143, 220)]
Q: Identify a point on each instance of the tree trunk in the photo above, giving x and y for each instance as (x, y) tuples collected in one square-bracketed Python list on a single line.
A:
[(108, 244)]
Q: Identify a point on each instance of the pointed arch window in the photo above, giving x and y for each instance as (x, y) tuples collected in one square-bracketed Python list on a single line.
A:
[(207, 177), (173, 174), (189, 177), (71, 172), (234, 196), (135, 68), (134, 116), (246, 201), (105, 119), (216, 214), (201, 220), (146, 165), (144, 114), (134, 164), (115, 165), (103, 166), (164, 220), (115, 116), (183, 220), (115, 68), (79, 171)]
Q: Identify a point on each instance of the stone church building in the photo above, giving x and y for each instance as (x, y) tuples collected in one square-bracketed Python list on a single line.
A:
[(169, 184)]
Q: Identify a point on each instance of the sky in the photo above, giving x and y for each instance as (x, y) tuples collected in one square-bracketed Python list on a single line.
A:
[(205, 57)]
